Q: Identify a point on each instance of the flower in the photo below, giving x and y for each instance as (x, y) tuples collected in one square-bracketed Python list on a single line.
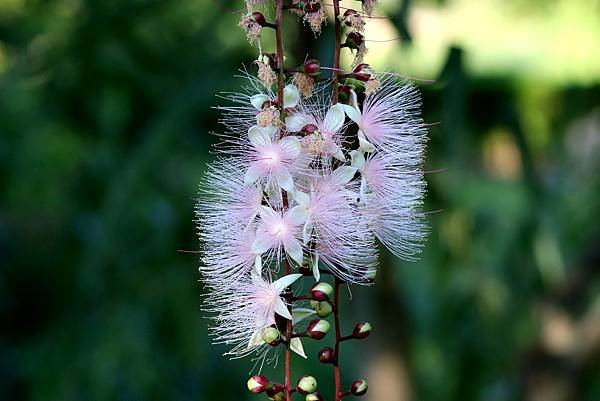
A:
[(244, 312), (390, 196), (390, 121), (324, 141), (280, 230), (270, 158)]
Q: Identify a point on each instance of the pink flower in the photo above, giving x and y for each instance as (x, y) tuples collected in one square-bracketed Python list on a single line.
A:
[(339, 232), (391, 197), (271, 159), (390, 121), (280, 230), (249, 307), (325, 140)]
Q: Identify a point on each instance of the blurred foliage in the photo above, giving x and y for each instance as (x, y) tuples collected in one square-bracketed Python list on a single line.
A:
[(104, 122)]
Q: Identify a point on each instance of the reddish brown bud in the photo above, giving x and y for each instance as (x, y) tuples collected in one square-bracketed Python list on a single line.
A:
[(259, 18), (326, 355), (312, 68), (362, 330), (275, 392), (317, 329), (361, 67), (309, 129), (361, 76), (354, 40), (257, 384), (359, 387), (321, 291)]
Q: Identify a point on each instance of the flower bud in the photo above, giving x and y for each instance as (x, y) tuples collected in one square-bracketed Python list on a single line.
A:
[(317, 329), (359, 387), (321, 291), (259, 18), (323, 309), (309, 129), (276, 392), (361, 67), (362, 330), (257, 384), (326, 355), (312, 68), (306, 385), (354, 40), (344, 93), (271, 336), (316, 396)]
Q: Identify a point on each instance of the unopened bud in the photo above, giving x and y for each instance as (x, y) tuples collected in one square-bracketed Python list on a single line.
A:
[(359, 387), (317, 329), (354, 40), (323, 309), (259, 18), (306, 385), (362, 330), (309, 129), (321, 291), (257, 384), (312, 68), (361, 76), (316, 396), (276, 392), (271, 336), (361, 67), (326, 355)]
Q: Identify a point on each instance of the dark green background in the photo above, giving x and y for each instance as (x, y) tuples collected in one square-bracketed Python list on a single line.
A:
[(105, 113)]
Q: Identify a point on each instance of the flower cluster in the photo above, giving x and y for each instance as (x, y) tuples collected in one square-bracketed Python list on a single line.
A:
[(315, 192)]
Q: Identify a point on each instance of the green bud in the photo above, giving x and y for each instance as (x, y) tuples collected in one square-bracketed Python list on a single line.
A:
[(306, 385), (271, 336), (316, 396), (321, 291), (317, 329), (323, 309)]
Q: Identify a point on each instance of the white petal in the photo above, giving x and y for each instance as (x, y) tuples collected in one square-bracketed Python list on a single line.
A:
[(358, 159), (334, 119), (254, 172), (296, 346), (259, 136), (297, 121), (364, 145), (300, 314), (291, 96), (263, 242), (307, 231), (353, 113), (283, 178), (284, 282), (268, 215), (343, 174), (290, 147), (258, 265), (315, 267), (293, 248), (258, 100), (256, 338), (282, 310), (301, 198), (297, 215)]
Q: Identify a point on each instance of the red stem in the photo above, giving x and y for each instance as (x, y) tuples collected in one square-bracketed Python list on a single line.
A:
[(289, 329), (338, 46), (338, 339)]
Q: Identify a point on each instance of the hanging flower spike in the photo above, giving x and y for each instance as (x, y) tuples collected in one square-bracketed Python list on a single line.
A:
[(353, 20), (270, 158), (252, 28), (280, 230), (369, 5), (322, 135), (243, 313)]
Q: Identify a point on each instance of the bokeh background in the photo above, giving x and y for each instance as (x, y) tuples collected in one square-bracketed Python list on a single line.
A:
[(105, 113)]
